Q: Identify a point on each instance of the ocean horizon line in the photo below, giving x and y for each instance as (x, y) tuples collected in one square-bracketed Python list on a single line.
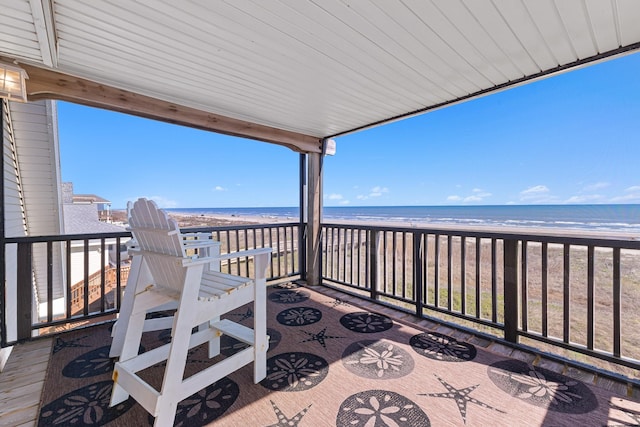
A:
[(412, 206), (605, 217)]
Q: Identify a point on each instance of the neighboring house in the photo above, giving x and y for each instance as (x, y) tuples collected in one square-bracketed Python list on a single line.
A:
[(103, 205), (84, 219)]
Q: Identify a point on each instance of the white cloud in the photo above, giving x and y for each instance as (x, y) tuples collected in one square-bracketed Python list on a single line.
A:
[(627, 198), (633, 189), (537, 194), (535, 191), (586, 194), (334, 196), (376, 191), (344, 202), (478, 196), (219, 188), (596, 186), (584, 198)]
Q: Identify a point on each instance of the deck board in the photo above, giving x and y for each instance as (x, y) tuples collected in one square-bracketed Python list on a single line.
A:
[(21, 417), (21, 383)]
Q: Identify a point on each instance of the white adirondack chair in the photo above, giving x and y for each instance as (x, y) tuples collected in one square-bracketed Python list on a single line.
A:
[(202, 295), (140, 277)]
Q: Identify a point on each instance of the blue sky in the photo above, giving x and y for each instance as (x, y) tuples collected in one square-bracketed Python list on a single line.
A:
[(569, 139)]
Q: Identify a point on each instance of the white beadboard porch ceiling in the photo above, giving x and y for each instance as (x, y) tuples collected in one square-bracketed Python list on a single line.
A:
[(322, 67)]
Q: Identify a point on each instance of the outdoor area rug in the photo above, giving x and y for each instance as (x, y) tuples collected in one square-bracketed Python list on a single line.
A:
[(333, 363)]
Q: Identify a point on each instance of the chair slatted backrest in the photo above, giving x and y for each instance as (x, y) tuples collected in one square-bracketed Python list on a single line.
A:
[(158, 236)]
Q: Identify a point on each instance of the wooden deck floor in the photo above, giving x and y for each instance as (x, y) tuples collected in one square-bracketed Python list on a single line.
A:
[(21, 383), (22, 380)]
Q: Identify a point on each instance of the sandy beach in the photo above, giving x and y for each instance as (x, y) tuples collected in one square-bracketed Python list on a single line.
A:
[(186, 220)]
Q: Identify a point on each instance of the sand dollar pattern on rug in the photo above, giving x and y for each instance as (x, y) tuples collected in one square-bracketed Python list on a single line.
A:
[(289, 296), (287, 285), (284, 420), (366, 323), (321, 337), (90, 364), (437, 346), (206, 405), (542, 387), (377, 360), (295, 371), (86, 406), (380, 408), (462, 397), (299, 316)]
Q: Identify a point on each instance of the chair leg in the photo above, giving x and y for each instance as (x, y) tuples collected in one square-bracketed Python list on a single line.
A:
[(176, 361), (118, 395), (214, 343), (138, 276), (166, 414), (132, 336), (261, 343), (260, 359), (183, 321)]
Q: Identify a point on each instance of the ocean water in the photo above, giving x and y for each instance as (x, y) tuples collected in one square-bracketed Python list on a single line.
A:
[(620, 218)]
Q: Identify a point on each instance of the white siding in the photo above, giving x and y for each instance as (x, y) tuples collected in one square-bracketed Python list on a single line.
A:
[(15, 223), (32, 186), (95, 261)]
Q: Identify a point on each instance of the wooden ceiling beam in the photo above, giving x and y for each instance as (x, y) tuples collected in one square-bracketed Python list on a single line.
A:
[(48, 84)]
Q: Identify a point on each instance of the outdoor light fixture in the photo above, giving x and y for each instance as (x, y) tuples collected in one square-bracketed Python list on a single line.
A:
[(13, 82), (329, 147)]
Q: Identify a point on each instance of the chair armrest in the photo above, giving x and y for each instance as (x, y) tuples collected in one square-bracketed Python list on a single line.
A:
[(196, 261), (247, 253), (202, 243), (199, 235)]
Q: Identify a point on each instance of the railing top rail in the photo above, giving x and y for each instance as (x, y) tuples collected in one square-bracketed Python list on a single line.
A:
[(66, 237), (126, 233), (207, 229), (548, 236)]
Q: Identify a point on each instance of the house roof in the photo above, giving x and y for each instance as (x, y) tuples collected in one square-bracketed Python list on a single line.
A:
[(89, 198), (293, 72), (83, 219)]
